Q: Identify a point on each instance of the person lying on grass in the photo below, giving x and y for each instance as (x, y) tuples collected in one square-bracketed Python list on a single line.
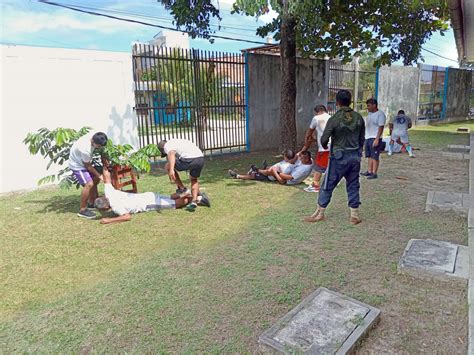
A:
[(295, 174), (124, 204)]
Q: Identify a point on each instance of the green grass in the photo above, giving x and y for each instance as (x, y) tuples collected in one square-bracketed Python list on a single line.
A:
[(213, 280)]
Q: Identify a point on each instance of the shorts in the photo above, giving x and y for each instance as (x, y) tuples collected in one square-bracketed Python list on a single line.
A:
[(194, 165), (370, 150), (261, 177), (82, 176), (402, 136), (161, 202), (321, 162)]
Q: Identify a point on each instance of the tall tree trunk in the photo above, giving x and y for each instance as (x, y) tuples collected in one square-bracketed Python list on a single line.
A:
[(288, 82)]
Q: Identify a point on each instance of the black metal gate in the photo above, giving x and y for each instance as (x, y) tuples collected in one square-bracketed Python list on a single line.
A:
[(191, 94), (360, 80)]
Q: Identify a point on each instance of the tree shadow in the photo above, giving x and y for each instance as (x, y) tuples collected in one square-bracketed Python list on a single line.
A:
[(58, 204)]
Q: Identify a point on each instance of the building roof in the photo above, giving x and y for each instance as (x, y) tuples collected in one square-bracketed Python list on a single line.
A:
[(462, 22)]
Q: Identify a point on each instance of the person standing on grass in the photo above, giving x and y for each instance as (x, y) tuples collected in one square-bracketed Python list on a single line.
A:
[(318, 123), (399, 127), (124, 204), (80, 162), (183, 155), (346, 130), (373, 135)]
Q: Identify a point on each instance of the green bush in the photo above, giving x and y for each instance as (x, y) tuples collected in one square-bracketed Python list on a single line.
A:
[(55, 145)]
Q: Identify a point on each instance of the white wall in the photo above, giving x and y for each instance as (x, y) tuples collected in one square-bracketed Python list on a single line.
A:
[(56, 87)]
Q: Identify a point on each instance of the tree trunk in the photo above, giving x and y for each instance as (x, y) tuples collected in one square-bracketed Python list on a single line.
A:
[(288, 83)]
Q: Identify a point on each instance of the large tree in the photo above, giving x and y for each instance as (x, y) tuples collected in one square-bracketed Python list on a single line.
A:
[(332, 28)]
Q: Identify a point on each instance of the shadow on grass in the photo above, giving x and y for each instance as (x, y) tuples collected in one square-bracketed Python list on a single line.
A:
[(58, 204)]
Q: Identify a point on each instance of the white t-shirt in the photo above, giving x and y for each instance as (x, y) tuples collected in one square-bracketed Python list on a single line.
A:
[(283, 167), (126, 202), (374, 121), (319, 123), (81, 151), (184, 149), (300, 172)]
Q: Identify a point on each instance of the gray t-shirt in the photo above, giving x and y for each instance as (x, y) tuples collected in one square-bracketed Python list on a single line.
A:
[(400, 124), (299, 172)]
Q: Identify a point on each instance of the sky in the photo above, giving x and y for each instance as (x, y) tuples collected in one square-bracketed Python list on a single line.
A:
[(28, 22)]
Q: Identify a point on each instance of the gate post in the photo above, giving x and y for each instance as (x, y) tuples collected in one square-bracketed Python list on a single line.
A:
[(197, 87), (356, 82), (246, 82)]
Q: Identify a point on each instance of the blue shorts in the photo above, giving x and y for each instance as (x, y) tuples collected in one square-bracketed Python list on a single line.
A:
[(370, 150)]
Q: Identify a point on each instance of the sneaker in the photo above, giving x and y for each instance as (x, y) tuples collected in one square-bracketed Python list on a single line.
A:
[(205, 200), (87, 214), (372, 176), (232, 174), (311, 188), (253, 169), (366, 174), (264, 164), (183, 192), (191, 207), (389, 154)]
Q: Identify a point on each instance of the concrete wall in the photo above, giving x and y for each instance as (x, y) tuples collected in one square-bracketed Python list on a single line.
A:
[(398, 90), (264, 97), (457, 96), (54, 87)]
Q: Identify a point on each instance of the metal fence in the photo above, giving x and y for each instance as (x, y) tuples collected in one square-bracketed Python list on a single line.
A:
[(360, 80), (432, 92), (191, 94)]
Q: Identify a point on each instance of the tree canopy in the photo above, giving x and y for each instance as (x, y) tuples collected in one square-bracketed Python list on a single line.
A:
[(325, 28)]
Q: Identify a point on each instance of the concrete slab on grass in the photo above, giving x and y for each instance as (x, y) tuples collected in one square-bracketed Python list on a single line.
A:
[(325, 322), (456, 156), (465, 148), (427, 258), (446, 201)]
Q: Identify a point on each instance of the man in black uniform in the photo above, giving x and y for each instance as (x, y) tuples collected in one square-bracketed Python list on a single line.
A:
[(346, 129)]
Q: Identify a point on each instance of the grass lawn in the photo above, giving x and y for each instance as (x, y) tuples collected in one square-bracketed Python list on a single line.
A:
[(213, 280)]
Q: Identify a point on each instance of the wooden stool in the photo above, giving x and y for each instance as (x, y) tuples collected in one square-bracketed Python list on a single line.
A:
[(122, 176)]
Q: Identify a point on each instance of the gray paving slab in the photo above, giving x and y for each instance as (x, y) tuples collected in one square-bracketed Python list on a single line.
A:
[(325, 322), (470, 347), (455, 156), (427, 258), (459, 147), (446, 201)]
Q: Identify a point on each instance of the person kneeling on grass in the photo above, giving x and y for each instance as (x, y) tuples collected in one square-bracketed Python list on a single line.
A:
[(295, 174), (124, 204)]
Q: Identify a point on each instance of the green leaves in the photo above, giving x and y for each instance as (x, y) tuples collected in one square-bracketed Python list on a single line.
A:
[(125, 155), (55, 145)]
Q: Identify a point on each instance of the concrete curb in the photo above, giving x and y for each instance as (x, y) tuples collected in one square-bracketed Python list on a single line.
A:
[(470, 292)]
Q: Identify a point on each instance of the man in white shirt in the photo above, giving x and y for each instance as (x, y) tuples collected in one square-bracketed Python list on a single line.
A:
[(80, 162), (183, 155), (124, 204), (318, 123), (373, 132), (399, 126)]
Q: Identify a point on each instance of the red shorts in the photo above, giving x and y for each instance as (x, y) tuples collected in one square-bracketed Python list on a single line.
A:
[(322, 160)]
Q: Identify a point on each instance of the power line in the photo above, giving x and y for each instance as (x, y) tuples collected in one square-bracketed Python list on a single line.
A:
[(141, 22), (439, 55), (141, 15), (174, 29)]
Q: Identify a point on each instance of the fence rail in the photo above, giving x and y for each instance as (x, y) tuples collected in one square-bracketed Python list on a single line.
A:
[(360, 82), (191, 94)]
